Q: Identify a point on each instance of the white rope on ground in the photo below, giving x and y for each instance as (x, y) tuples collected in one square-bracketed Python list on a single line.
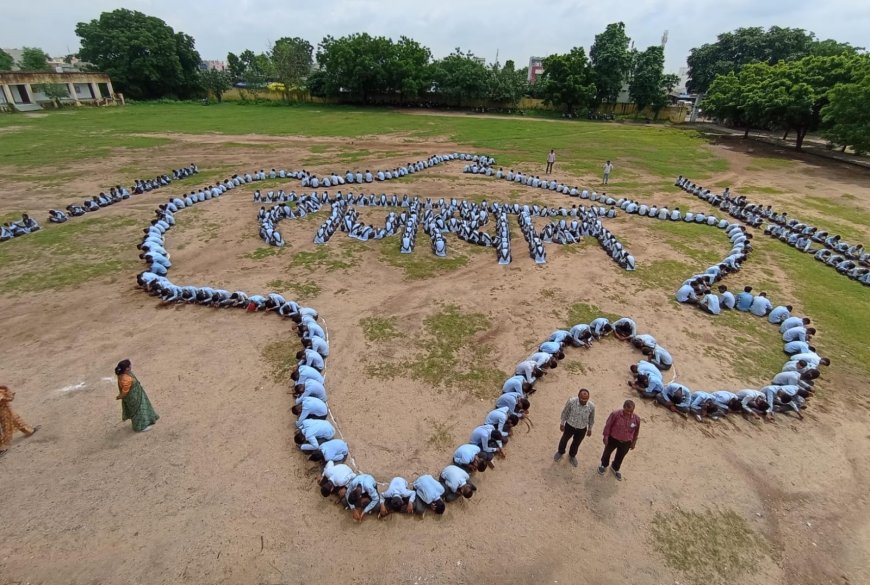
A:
[(675, 374), (329, 410)]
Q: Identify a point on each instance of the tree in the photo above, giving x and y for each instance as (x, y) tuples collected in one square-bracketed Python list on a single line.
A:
[(505, 85), (649, 85), (568, 80), (6, 61), (460, 77), (789, 95), (847, 115), (611, 62), (291, 62), (408, 71), (215, 82), (143, 55), (34, 59), (235, 67), (733, 50)]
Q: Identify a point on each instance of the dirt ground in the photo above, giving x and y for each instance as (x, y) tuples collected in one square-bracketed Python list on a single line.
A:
[(215, 493)]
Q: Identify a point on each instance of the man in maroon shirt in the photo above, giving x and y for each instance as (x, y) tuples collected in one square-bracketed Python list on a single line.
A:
[(620, 435)]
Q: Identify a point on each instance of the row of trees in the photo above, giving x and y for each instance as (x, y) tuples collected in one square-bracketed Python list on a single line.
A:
[(784, 79), (574, 81)]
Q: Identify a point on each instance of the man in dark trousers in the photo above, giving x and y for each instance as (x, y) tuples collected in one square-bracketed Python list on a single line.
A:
[(620, 434), (576, 424)]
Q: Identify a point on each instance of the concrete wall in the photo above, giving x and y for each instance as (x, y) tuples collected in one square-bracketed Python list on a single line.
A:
[(35, 77)]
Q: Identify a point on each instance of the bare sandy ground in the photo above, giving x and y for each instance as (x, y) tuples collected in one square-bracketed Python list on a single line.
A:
[(215, 494)]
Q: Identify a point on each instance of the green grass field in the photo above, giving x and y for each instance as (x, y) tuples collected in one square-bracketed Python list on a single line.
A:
[(648, 157)]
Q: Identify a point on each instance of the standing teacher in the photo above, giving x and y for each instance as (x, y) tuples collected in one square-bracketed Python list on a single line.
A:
[(620, 435), (135, 405)]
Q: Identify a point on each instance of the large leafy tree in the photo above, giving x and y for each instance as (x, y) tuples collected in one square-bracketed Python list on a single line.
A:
[(611, 61), (142, 54), (649, 85), (460, 77), (846, 115), (568, 80), (215, 82), (789, 95), (353, 66), (6, 61), (734, 50), (505, 85), (33, 59), (291, 62), (408, 70)]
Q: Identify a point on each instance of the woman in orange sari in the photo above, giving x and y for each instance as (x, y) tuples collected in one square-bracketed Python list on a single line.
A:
[(9, 421), (135, 405)]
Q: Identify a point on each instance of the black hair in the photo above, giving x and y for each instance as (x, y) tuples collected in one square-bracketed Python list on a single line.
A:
[(395, 503), (513, 419), (298, 438), (353, 497), (316, 456), (438, 506), (122, 367), (481, 466), (326, 489), (495, 435)]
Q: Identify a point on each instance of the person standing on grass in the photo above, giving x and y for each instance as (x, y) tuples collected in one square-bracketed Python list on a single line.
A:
[(608, 168), (551, 160), (577, 419), (620, 434)]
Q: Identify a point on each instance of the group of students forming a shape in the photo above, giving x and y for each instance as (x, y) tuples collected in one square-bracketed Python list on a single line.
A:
[(28, 225), (315, 435), (850, 260)]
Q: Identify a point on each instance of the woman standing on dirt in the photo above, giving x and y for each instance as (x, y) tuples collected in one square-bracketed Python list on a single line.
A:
[(9, 421), (134, 402)]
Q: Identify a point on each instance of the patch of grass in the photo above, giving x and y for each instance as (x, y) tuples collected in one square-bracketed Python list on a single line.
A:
[(760, 189), (326, 257), (756, 352), (65, 255), (761, 163), (710, 547), (303, 290), (574, 367), (281, 358), (519, 142), (584, 313), (448, 355), (419, 264), (442, 435), (266, 252), (378, 329)]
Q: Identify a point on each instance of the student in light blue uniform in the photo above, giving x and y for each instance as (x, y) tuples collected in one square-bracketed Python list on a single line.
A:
[(456, 480), (675, 397), (659, 356), (334, 450), (779, 314), (744, 299), (761, 305), (310, 407), (467, 457), (312, 433), (361, 489), (429, 495), (398, 497)]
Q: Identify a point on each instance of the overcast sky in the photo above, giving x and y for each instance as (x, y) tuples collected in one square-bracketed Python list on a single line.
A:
[(515, 29)]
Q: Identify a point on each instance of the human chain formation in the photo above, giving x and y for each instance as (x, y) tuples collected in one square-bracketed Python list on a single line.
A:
[(116, 194), (316, 432), (848, 259)]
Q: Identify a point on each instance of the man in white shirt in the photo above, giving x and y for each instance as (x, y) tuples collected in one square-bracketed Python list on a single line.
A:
[(576, 423), (608, 168), (551, 159)]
